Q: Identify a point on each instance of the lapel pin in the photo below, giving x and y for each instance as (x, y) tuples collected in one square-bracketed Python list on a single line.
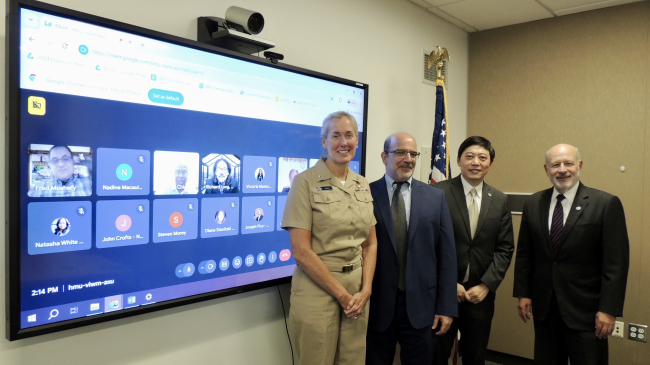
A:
[(320, 177), (489, 194), (578, 207)]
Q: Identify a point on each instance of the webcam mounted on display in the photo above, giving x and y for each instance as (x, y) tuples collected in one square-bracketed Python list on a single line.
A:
[(237, 32)]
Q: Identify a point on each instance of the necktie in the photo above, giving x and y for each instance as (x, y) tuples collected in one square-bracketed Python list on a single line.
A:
[(398, 211), (473, 222), (557, 223), (473, 212)]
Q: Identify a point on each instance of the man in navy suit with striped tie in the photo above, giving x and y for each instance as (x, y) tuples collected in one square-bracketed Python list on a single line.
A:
[(571, 265)]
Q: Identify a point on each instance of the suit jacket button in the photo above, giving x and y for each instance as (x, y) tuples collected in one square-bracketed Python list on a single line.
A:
[(555, 264)]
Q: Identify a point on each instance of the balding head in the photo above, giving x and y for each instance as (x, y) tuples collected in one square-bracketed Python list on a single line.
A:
[(563, 166), (399, 168)]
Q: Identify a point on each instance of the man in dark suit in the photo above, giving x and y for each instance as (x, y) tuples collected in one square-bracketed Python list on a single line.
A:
[(414, 288), (484, 247), (572, 263)]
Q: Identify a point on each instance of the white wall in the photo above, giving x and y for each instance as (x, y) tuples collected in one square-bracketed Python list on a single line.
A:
[(378, 42)]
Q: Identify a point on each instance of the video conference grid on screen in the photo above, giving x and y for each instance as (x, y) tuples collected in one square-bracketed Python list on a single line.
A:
[(125, 204)]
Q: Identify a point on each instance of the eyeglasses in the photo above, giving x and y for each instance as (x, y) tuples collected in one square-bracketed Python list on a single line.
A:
[(402, 153), (64, 159)]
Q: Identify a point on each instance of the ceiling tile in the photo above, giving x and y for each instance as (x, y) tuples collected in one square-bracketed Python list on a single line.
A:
[(487, 14), (449, 18), (592, 6), (563, 4)]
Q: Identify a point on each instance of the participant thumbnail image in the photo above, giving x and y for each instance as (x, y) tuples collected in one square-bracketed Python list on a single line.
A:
[(59, 171), (288, 168), (220, 174), (259, 174), (123, 172), (175, 173), (58, 227), (219, 217), (122, 223), (258, 214), (175, 219)]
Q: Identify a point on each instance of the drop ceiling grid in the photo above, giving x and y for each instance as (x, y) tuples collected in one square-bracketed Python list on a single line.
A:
[(473, 15)]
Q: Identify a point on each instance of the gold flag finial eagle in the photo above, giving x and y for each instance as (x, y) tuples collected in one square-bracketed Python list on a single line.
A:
[(437, 57)]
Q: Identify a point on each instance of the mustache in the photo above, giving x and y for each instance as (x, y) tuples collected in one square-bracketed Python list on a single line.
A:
[(406, 164)]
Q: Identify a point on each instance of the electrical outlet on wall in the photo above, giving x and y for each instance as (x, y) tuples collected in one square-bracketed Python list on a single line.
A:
[(638, 332), (619, 329)]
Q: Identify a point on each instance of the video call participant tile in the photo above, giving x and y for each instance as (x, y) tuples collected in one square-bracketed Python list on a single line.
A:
[(221, 174), (59, 227), (282, 202), (123, 172), (175, 219), (175, 173), (59, 171), (288, 168), (259, 174), (219, 217), (257, 214), (122, 223)]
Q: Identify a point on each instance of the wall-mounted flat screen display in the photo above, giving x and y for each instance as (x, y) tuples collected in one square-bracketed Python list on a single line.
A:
[(146, 171)]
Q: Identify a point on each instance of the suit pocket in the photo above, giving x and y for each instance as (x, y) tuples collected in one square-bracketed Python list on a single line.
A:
[(587, 226)]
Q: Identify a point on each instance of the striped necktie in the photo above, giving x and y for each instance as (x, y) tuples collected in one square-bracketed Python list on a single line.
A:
[(557, 223)]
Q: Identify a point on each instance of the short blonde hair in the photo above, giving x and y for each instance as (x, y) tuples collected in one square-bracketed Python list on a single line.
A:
[(338, 115)]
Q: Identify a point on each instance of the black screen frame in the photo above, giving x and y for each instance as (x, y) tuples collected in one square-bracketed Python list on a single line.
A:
[(12, 164)]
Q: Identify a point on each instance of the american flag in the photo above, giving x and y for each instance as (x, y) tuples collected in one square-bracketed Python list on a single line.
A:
[(440, 144)]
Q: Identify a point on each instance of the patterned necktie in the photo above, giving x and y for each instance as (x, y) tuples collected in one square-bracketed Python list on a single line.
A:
[(398, 211), (473, 212), (557, 223)]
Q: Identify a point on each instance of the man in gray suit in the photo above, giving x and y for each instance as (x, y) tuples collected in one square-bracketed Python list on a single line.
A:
[(484, 247)]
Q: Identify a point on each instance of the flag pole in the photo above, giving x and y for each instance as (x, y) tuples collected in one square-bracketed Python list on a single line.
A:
[(440, 140)]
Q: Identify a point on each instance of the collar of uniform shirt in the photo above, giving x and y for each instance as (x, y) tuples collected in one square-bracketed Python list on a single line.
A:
[(566, 203), (467, 188)]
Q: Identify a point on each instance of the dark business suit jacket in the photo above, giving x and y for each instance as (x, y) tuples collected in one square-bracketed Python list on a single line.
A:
[(490, 252), (588, 271), (430, 263)]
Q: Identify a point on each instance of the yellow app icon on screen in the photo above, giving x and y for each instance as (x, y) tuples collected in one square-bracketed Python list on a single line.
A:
[(36, 105)]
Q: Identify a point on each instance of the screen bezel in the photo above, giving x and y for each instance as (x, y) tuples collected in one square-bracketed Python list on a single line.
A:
[(12, 164)]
